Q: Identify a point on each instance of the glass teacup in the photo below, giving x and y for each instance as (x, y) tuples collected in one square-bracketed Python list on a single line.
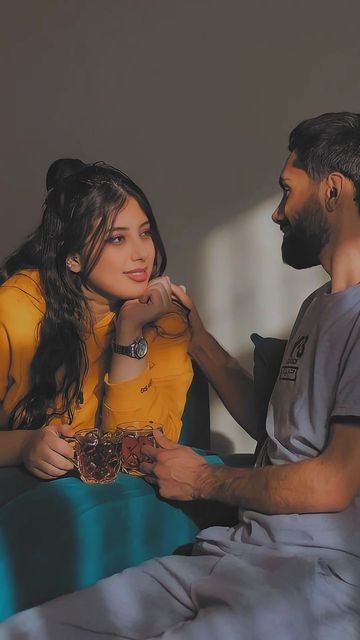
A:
[(133, 436), (96, 455)]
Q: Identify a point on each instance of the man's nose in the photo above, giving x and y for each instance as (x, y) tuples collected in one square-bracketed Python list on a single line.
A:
[(278, 215)]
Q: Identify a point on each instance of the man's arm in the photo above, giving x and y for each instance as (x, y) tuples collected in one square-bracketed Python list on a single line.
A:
[(233, 384), (326, 483)]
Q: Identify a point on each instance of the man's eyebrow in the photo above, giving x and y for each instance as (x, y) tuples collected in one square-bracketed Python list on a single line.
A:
[(283, 181), (143, 224)]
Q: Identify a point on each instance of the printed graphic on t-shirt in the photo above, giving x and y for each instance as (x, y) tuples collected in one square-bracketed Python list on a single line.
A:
[(289, 370), (288, 373)]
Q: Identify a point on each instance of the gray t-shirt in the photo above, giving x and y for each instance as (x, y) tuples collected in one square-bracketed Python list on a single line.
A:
[(319, 377), (319, 380)]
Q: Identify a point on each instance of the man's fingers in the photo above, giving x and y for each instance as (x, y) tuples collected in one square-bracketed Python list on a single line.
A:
[(151, 452), (147, 468), (151, 479), (180, 294), (164, 442)]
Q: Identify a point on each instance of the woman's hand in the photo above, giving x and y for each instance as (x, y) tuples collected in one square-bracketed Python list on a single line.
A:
[(134, 314), (46, 455)]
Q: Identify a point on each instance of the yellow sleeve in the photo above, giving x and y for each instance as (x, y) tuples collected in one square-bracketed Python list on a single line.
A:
[(5, 358), (19, 318), (159, 392)]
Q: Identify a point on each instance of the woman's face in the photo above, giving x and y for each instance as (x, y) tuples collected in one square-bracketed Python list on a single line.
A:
[(126, 261)]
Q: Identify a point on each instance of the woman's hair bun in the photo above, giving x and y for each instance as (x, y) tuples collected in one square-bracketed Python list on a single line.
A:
[(61, 169)]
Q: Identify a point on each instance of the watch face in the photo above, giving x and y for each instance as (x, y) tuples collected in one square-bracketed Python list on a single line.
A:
[(141, 348)]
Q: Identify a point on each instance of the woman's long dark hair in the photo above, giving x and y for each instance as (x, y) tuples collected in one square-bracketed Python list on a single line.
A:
[(79, 211)]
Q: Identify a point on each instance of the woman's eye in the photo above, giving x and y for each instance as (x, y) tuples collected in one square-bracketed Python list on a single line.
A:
[(116, 239), (146, 233)]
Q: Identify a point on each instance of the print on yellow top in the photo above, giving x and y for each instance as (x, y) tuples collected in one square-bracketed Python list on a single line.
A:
[(158, 393)]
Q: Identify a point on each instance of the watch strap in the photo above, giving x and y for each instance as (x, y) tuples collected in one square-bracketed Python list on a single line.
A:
[(129, 350)]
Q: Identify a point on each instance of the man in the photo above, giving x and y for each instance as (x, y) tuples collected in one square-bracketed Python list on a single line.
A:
[(291, 567)]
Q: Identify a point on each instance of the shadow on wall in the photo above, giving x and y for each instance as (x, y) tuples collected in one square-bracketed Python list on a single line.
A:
[(243, 287)]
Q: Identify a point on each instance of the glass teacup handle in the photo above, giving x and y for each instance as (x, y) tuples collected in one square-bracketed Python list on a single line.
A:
[(73, 441)]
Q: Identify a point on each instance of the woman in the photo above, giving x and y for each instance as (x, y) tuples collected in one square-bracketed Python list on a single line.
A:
[(81, 301)]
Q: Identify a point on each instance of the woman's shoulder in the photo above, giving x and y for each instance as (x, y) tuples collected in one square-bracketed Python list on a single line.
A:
[(22, 291)]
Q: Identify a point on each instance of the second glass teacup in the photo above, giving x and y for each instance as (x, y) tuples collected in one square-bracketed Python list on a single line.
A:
[(132, 437), (96, 455)]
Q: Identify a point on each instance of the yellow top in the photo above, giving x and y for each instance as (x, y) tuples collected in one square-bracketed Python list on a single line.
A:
[(158, 393)]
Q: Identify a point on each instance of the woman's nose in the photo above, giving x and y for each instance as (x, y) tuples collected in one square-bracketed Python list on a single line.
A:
[(138, 250)]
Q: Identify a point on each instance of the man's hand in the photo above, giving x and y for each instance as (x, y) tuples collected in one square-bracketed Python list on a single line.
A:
[(230, 380), (177, 470), (46, 455), (196, 325)]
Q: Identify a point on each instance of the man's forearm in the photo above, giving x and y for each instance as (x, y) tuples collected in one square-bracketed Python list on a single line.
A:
[(303, 487), (233, 384)]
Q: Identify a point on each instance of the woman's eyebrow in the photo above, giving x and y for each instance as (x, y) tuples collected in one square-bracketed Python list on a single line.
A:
[(143, 224)]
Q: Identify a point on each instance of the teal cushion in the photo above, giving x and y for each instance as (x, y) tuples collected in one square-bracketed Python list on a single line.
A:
[(60, 536)]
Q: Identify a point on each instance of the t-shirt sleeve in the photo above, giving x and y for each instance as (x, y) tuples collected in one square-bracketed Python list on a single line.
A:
[(159, 392), (347, 402)]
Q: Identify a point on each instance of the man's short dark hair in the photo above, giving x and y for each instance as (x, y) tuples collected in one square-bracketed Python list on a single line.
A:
[(327, 143)]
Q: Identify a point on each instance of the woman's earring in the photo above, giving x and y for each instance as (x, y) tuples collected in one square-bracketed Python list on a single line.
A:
[(69, 263)]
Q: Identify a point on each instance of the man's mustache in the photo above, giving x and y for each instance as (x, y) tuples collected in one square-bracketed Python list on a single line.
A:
[(284, 224)]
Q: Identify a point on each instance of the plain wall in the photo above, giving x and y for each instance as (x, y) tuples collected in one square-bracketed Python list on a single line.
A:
[(195, 100)]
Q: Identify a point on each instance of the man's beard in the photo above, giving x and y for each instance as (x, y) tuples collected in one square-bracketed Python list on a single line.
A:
[(306, 236)]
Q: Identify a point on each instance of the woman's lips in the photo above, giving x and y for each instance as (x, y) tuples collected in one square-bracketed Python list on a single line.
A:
[(139, 275)]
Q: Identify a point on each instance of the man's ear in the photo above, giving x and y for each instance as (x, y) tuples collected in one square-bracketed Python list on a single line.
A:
[(334, 185), (73, 263)]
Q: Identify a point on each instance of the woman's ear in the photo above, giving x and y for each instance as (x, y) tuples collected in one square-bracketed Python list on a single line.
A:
[(73, 263)]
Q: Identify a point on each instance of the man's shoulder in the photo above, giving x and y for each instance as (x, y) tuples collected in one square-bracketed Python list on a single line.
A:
[(324, 288), (319, 292)]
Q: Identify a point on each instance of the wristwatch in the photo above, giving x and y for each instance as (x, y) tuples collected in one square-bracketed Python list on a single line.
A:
[(137, 349)]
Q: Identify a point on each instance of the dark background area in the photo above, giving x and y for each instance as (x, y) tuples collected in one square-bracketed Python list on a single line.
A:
[(193, 98)]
